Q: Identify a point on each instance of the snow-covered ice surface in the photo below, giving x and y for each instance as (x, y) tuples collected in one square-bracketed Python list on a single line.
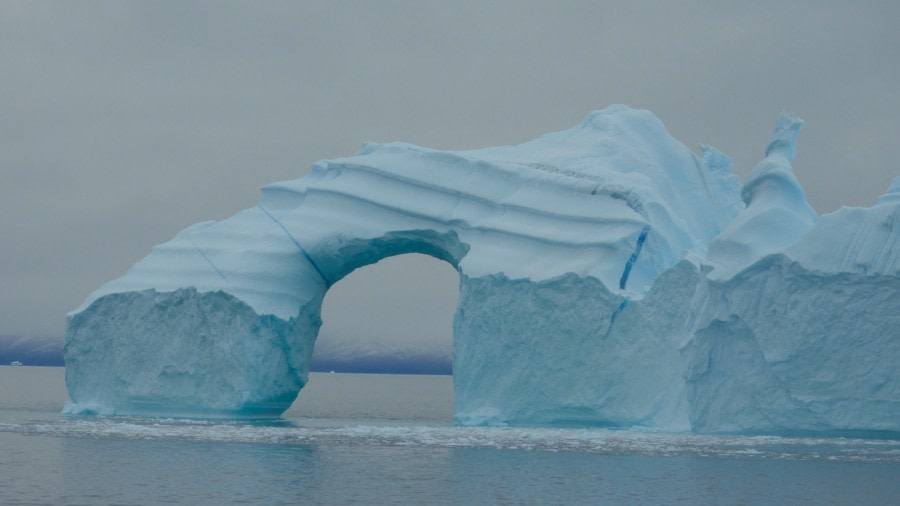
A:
[(608, 277)]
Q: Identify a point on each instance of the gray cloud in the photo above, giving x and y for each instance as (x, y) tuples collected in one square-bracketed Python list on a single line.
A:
[(121, 123)]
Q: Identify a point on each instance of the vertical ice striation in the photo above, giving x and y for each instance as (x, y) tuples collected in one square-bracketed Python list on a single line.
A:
[(608, 277), (634, 256)]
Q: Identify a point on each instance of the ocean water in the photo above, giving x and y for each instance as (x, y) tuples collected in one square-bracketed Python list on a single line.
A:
[(383, 439)]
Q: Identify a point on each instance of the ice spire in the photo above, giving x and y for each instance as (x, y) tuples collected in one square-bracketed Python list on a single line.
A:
[(777, 212), (784, 139)]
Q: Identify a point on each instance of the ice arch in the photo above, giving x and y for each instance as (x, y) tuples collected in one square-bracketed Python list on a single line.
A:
[(608, 276), (209, 352), (223, 317)]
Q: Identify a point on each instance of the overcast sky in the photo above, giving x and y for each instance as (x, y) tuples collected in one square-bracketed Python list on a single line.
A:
[(124, 122)]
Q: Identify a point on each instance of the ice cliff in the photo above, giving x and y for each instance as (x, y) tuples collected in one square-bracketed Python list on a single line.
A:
[(608, 277)]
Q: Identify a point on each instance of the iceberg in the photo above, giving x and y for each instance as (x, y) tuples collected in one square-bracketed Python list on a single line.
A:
[(608, 276)]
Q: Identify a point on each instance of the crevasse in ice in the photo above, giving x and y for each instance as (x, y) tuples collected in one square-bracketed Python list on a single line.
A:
[(608, 277)]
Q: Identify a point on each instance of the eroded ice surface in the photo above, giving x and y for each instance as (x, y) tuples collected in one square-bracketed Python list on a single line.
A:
[(608, 276)]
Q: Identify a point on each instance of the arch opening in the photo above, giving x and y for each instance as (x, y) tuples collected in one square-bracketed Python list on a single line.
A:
[(393, 317)]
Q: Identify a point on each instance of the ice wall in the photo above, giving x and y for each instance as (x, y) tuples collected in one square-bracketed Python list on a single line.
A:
[(608, 277)]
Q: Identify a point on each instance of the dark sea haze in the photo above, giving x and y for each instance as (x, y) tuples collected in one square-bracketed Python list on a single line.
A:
[(328, 356)]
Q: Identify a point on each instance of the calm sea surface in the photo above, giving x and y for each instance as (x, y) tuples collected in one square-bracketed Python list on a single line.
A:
[(382, 439)]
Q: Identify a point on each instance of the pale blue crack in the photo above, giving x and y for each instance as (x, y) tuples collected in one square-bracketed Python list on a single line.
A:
[(297, 244), (209, 261)]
